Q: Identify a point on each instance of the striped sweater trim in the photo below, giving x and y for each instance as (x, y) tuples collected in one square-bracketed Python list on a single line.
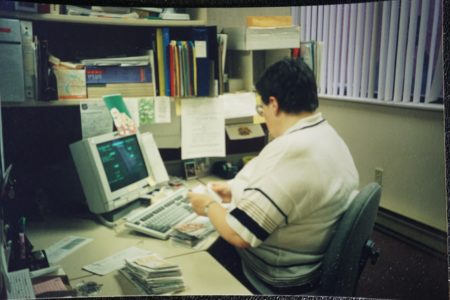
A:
[(271, 201)]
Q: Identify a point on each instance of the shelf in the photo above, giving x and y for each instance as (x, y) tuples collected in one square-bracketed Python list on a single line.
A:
[(53, 103), (199, 16)]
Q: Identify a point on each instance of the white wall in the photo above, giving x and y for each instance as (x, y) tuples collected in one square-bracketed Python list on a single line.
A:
[(408, 144)]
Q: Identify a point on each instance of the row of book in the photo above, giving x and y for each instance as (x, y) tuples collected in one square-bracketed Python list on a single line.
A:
[(186, 65), (186, 61)]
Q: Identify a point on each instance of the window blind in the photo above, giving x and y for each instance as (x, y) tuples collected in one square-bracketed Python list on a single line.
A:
[(388, 51)]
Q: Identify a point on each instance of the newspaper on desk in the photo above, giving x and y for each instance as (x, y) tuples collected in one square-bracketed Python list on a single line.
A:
[(64, 247), (153, 275), (116, 261)]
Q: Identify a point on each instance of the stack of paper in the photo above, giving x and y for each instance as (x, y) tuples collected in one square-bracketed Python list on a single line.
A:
[(263, 38), (153, 275), (191, 233)]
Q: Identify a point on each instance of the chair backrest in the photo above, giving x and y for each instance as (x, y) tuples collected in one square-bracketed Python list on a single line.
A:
[(341, 263)]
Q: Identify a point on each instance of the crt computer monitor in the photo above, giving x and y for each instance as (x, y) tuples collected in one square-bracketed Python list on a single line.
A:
[(113, 170)]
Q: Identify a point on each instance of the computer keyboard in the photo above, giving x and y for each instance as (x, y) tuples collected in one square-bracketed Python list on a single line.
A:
[(159, 219)]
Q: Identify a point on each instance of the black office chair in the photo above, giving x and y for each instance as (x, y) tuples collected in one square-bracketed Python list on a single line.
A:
[(351, 246), (349, 249)]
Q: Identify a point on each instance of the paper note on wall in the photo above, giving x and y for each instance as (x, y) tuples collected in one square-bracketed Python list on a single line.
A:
[(95, 119), (237, 105), (162, 110), (202, 128)]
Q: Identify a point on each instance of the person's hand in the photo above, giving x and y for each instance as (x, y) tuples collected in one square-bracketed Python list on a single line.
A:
[(223, 190), (198, 202)]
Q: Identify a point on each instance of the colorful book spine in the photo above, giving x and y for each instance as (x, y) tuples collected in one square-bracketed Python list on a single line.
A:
[(160, 60), (166, 42), (117, 74)]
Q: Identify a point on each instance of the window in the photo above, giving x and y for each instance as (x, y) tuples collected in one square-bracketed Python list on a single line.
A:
[(387, 51)]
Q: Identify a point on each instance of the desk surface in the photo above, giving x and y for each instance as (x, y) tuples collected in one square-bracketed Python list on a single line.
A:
[(201, 272), (202, 275)]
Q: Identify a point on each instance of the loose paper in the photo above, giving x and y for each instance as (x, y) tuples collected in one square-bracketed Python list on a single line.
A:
[(95, 119), (202, 128), (200, 49), (64, 247), (149, 110), (238, 105), (116, 261), (162, 110)]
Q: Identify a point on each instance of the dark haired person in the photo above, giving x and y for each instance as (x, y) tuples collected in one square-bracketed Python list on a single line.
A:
[(287, 199)]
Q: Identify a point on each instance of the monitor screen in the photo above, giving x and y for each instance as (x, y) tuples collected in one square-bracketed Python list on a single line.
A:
[(122, 161)]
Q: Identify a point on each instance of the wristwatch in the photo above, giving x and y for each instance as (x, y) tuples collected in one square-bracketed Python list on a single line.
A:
[(207, 206)]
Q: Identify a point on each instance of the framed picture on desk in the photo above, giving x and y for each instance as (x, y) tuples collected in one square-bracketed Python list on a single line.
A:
[(190, 169)]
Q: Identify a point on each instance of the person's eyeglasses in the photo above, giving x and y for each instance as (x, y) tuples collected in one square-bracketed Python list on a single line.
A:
[(259, 109)]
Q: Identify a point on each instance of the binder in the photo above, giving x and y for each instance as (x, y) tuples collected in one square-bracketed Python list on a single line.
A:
[(29, 60), (204, 40), (166, 41), (160, 59), (172, 67)]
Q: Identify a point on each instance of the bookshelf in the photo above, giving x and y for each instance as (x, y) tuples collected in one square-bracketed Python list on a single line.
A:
[(198, 17), (72, 37)]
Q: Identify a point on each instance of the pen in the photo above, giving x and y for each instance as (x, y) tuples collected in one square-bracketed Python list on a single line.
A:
[(22, 221)]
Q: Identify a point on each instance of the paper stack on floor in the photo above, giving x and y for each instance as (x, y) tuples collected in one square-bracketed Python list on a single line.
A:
[(153, 275)]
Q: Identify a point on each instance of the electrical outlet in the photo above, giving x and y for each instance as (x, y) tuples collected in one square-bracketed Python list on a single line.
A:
[(379, 176)]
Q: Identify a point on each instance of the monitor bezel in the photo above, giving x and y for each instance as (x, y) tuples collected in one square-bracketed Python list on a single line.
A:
[(129, 192)]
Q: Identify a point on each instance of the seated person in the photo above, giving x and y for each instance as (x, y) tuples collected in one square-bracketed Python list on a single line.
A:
[(288, 198)]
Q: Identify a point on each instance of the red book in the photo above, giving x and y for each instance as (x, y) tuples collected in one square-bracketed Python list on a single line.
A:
[(172, 69)]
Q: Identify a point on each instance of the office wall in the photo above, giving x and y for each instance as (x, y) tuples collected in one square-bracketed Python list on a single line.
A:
[(408, 144)]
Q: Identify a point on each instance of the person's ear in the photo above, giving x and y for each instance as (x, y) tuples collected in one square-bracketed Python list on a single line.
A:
[(274, 105)]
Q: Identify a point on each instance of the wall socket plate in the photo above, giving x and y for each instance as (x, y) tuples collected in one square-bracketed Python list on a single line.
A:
[(379, 175)]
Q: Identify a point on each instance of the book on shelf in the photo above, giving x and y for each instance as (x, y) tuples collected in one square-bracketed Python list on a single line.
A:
[(307, 54), (171, 14), (187, 63), (130, 89), (263, 38), (122, 61), (98, 11), (118, 74), (162, 43), (222, 50), (192, 232), (153, 275)]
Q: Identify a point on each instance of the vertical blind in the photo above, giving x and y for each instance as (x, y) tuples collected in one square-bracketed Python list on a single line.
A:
[(387, 51)]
